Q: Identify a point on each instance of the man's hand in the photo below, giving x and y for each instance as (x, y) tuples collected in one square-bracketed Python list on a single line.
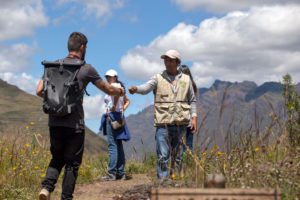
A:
[(109, 89), (194, 125), (123, 91), (132, 89)]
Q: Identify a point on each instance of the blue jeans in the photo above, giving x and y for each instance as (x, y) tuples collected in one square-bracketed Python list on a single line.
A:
[(189, 138), (169, 142), (116, 152)]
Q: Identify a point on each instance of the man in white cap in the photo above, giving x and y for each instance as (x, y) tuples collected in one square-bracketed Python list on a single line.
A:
[(174, 102)]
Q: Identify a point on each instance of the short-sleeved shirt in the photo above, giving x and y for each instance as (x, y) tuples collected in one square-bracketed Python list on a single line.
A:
[(109, 100), (86, 74)]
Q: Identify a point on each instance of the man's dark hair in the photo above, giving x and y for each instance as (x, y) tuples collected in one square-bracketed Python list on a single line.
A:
[(76, 39)]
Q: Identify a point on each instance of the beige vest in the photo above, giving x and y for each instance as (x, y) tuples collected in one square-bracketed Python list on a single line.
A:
[(172, 108)]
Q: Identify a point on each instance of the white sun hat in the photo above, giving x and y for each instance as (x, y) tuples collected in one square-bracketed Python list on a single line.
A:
[(111, 73), (171, 54)]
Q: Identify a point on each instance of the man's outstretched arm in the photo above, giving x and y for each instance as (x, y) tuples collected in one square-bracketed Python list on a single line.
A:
[(145, 88), (109, 89)]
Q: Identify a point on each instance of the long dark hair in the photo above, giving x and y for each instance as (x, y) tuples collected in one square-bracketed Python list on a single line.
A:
[(122, 84), (185, 69)]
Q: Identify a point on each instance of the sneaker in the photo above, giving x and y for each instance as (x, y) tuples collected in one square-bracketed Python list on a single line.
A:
[(121, 177), (109, 177), (44, 194)]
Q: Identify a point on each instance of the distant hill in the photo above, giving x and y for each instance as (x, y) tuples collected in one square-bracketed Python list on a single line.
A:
[(18, 109), (245, 104)]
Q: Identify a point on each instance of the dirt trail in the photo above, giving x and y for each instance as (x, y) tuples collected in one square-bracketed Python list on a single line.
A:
[(104, 190)]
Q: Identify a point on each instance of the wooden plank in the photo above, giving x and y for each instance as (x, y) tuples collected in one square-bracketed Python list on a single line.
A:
[(214, 194)]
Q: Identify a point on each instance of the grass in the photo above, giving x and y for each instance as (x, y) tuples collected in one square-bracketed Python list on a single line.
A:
[(24, 158), (258, 157)]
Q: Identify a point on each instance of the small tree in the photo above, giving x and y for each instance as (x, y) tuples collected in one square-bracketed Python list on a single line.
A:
[(293, 109)]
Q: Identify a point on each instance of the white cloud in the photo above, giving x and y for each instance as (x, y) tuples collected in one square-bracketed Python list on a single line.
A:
[(23, 81), (101, 9), (224, 6), (93, 106), (19, 18), (16, 58), (261, 44)]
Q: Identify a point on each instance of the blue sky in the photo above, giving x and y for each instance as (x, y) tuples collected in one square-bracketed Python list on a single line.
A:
[(230, 40)]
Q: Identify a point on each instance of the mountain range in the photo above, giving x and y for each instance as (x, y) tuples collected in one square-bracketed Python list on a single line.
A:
[(234, 105), (238, 104)]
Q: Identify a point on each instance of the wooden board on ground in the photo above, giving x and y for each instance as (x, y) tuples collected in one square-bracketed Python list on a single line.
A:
[(214, 194)]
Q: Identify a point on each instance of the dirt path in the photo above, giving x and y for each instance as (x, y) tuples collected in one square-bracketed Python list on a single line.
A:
[(104, 190)]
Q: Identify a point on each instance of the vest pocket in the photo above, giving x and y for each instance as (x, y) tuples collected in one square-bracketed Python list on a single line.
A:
[(161, 113), (183, 112)]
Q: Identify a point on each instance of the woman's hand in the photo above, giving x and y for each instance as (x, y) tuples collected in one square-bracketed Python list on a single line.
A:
[(113, 108)]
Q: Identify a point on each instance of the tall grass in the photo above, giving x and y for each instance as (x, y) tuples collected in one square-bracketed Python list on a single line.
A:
[(24, 158), (258, 157)]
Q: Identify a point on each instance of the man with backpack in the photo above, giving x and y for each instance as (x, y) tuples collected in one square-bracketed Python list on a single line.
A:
[(174, 105), (62, 88)]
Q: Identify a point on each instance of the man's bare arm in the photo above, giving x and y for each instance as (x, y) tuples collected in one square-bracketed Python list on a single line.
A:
[(40, 89), (109, 89)]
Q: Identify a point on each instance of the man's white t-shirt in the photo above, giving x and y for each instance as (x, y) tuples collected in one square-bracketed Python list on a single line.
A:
[(109, 100)]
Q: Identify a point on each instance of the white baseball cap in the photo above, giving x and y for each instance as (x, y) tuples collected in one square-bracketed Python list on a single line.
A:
[(111, 73), (171, 54)]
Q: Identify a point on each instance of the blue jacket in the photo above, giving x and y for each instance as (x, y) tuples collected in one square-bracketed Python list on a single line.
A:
[(122, 133)]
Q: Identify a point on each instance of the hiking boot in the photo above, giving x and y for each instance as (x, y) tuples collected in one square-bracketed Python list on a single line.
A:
[(109, 177), (44, 194)]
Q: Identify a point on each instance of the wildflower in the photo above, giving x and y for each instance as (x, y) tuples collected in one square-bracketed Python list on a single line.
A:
[(271, 114), (39, 134), (6, 149), (216, 148), (21, 174), (31, 123), (24, 169), (257, 148), (225, 165), (43, 175), (220, 153), (36, 167), (284, 135), (10, 156), (275, 118), (27, 145), (88, 166), (174, 176), (81, 171), (27, 127), (204, 154), (14, 168)]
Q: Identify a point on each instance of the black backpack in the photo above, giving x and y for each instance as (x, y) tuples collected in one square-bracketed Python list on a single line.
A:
[(62, 94)]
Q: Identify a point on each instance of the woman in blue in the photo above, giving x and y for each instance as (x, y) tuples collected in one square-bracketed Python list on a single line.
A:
[(115, 106), (189, 135)]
